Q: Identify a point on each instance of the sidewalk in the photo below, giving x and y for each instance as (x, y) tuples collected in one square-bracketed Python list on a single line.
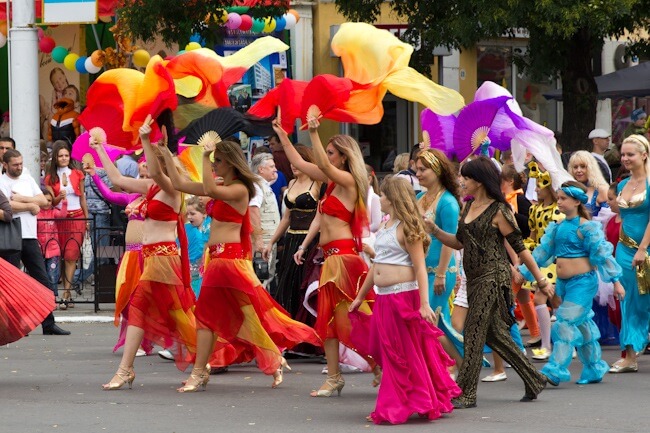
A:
[(85, 313)]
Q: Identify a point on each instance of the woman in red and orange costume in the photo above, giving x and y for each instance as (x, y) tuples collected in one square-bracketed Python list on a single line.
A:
[(343, 221), (67, 183), (161, 305), (237, 320)]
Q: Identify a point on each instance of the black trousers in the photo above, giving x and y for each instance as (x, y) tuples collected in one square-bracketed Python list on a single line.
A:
[(32, 258)]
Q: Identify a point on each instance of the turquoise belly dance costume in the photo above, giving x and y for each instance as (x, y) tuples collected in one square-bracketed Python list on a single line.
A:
[(574, 326)]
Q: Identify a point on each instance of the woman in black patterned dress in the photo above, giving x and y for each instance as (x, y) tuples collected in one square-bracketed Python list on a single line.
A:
[(485, 223)]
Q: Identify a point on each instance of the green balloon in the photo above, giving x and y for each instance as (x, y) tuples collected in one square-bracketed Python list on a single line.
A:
[(258, 25), (238, 9), (59, 53)]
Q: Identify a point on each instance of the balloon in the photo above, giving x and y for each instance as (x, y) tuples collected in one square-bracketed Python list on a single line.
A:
[(192, 46), (280, 24), (180, 52), (269, 25), (40, 32), (91, 67), (290, 20), (294, 13), (234, 21), (46, 44), (3, 27), (59, 53), (238, 9), (258, 25), (246, 23), (97, 59), (3, 40), (80, 65), (141, 58), (70, 61), (198, 39)]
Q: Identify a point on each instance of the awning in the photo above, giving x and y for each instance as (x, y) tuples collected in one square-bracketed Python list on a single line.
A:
[(625, 83), (106, 8)]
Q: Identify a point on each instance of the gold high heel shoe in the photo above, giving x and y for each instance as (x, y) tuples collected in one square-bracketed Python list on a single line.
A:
[(278, 375), (122, 377), (333, 383), (198, 380)]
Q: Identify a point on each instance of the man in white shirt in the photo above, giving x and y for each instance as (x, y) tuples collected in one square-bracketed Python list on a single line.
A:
[(26, 199), (600, 139), (264, 212)]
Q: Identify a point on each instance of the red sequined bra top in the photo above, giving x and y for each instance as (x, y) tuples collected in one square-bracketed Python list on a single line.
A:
[(156, 209), (219, 210), (332, 206)]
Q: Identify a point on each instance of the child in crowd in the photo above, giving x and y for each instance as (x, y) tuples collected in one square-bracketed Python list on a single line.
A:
[(48, 238), (612, 232), (403, 337), (578, 246), (198, 233)]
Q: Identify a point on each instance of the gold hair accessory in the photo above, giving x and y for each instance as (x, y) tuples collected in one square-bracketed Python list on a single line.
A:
[(430, 158), (543, 177), (426, 139)]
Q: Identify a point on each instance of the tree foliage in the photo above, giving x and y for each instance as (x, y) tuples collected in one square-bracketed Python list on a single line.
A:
[(174, 21), (564, 36)]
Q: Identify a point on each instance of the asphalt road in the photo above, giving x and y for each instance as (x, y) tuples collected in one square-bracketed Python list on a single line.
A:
[(52, 384)]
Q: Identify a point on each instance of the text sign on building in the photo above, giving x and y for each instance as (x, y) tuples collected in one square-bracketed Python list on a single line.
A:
[(69, 11)]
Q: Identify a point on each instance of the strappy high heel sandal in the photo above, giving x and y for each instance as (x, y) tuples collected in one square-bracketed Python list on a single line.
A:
[(278, 375), (333, 383), (378, 372), (123, 377), (198, 380)]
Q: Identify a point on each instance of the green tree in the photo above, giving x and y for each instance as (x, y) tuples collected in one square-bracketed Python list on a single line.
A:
[(565, 35)]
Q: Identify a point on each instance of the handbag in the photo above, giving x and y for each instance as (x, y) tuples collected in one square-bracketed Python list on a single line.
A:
[(261, 267), (87, 251), (11, 237)]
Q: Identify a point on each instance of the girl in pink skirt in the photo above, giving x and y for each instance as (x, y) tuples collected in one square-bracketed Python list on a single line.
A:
[(403, 336)]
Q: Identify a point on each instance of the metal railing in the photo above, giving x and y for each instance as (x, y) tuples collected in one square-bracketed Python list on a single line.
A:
[(57, 235)]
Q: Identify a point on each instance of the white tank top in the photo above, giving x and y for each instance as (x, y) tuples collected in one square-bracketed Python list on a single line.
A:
[(388, 250)]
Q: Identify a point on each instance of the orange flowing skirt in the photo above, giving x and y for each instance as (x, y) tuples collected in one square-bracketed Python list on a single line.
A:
[(161, 304), (128, 276), (341, 277), (250, 324)]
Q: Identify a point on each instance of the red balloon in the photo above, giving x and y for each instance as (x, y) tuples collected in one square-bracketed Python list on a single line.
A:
[(46, 44), (246, 23)]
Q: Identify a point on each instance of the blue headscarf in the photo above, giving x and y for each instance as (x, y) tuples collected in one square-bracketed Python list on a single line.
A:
[(576, 193)]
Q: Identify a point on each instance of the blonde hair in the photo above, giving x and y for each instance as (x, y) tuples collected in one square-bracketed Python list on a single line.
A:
[(197, 203), (641, 144), (401, 162), (401, 195), (233, 155), (594, 175), (354, 163)]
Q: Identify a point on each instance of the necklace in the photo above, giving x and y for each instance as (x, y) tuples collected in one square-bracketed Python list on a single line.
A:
[(636, 184), (426, 202)]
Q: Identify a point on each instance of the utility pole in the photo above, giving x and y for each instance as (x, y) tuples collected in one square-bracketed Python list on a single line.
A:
[(23, 84)]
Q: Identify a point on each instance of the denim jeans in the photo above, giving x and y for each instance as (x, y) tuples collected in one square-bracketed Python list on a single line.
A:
[(99, 234), (53, 269)]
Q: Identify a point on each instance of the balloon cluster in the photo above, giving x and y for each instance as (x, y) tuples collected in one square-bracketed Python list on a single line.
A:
[(3, 33), (233, 19), (74, 62)]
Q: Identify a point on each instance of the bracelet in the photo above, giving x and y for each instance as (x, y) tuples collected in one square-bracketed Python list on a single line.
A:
[(435, 230), (441, 276), (542, 280), (300, 248)]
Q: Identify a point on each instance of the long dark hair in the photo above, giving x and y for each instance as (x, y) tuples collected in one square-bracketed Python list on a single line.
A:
[(52, 167), (483, 171)]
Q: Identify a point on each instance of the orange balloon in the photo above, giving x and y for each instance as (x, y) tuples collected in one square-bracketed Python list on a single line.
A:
[(3, 27), (294, 13), (97, 58)]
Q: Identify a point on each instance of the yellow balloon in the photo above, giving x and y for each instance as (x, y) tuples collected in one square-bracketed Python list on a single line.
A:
[(192, 46), (141, 58), (70, 60), (269, 25)]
